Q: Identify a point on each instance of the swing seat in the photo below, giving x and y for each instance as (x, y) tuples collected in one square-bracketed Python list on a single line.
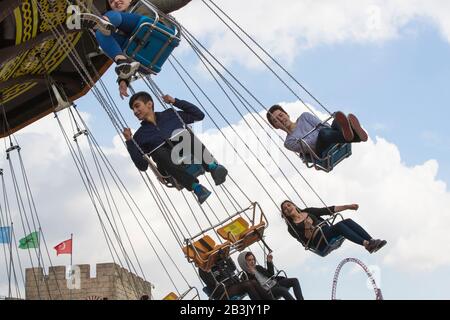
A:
[(323, 247), (171, 296), (329, 157), (205, 252), (333, 244), (183, 296), (333, 155), (151, 43)]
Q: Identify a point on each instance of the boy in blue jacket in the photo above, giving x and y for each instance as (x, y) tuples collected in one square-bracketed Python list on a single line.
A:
[(156, 129)]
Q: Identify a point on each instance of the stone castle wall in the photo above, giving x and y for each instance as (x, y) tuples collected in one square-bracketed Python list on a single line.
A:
[(112, 282)]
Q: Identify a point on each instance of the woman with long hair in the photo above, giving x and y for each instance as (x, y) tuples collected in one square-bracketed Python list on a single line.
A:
[(302, 225)]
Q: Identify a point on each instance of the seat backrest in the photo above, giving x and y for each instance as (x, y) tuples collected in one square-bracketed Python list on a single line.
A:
[(202, 246), (205, 253), (163, 25), (144, 10), (253, 234), (234, 230)]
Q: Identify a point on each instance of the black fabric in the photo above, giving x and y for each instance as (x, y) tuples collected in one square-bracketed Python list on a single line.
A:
[(297, 230), (162, 157), (205, 244), (269, 272), (224, 271), (150, 136)]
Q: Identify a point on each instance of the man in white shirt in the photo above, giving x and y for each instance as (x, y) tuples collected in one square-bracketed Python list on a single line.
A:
[(319, 137)]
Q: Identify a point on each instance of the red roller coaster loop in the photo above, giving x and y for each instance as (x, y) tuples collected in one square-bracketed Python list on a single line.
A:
[(378, 294)]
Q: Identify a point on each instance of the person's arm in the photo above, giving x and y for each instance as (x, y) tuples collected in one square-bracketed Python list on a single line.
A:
[(270, 267), (190, 113), (293, 144), (207, 278), (134, 152), (327, 211), (123, 87), (346, 207)]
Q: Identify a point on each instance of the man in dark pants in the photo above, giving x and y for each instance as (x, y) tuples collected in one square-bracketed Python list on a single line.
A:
[(279, 286), (156, 129), (224, 272)]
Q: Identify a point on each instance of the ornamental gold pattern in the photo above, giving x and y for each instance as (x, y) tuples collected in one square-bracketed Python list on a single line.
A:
[(16, 90), (30, 17), (52, 13)]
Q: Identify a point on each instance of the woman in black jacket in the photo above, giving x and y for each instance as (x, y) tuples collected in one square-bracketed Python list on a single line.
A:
[(302, 226), (278, 286), (223, 276)]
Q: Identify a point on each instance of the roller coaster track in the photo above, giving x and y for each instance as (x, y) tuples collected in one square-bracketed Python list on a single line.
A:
[(378, 294)]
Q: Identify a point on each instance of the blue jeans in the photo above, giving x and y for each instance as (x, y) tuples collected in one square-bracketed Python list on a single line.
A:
[(328, 137), (125, 22), (349, 229)]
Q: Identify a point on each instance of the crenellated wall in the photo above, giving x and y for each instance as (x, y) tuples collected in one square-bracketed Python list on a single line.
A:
[(112, 282)]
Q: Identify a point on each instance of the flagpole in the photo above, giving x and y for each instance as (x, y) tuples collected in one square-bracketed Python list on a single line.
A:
[(10, 261), (71, 252), (71, 267)]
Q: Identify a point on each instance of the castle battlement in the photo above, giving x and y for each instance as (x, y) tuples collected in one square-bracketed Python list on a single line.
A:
[(112, 282)]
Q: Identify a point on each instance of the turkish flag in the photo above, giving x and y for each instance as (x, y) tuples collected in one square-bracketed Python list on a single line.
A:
[(64, 247)]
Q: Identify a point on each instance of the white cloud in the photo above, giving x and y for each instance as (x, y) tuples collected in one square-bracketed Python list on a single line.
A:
[(287, 27), (405, 205)]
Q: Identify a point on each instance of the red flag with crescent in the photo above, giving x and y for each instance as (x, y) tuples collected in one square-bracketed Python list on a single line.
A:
[(64, 247)]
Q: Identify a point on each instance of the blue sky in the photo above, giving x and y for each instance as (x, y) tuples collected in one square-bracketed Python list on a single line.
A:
[(399, 85), (395, 84), (397, 88)]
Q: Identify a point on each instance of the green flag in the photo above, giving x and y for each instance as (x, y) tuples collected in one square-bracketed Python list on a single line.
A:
[(30, 241)]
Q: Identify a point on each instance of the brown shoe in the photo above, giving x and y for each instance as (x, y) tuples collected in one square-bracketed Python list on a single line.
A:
[(344, 123), (357, 129), (380, 244), (371, 247)]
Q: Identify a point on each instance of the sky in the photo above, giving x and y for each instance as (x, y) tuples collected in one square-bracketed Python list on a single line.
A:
[(385, 61)]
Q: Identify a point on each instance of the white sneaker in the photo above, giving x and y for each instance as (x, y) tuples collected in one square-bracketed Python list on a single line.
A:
[(125, 69), (93, 22)]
